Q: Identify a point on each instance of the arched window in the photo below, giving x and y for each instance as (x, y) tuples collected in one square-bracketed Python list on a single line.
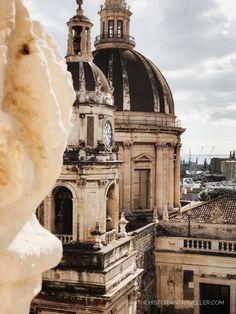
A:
[(63, 210), (77, 39), (111, 208), (110, 28), (119, 29)]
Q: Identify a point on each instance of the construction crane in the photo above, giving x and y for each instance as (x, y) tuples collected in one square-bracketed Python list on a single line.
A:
[(211, 151), (199, 155), (209, 155), (190, 162)]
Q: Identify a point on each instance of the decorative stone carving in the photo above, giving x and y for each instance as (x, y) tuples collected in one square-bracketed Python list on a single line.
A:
[(142, 158), (36, 97), (102, 183), (127, 144), (81, 183), (165, 145), (165, 215), (216, 216), (97, 233), (155, 215), (122, 224)]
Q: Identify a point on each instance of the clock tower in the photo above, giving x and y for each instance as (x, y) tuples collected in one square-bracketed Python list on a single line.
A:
[(83, 206)]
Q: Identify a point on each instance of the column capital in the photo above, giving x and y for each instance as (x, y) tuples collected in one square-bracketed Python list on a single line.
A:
[(127, 144), (166, 145), (161, 145), (178, 146), (102, 183), (81, 183)]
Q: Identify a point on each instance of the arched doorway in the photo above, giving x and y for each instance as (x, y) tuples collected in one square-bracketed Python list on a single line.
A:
[(63, 210)]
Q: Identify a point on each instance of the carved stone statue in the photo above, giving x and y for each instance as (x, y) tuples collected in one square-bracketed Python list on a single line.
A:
[(36, 97)]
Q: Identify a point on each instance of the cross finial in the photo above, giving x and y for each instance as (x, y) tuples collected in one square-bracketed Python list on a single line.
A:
[(79, 2)]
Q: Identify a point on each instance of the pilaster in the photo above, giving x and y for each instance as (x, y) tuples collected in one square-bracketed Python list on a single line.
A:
[(177, 176)]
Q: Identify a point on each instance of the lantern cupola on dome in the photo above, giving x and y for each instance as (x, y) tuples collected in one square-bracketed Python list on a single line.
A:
[(115, 26), (139, 86)]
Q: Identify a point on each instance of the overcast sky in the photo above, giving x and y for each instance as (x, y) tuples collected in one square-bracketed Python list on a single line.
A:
[(193, 42)]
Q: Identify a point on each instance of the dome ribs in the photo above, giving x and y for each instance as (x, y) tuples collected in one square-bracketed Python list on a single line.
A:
[(117, 80), (101, 60), (138, 84), (141, 95), (156, 86), (89, 77), (73, 68)]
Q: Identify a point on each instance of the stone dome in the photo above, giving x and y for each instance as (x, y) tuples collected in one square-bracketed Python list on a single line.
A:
[(90, 83), (138, 84)]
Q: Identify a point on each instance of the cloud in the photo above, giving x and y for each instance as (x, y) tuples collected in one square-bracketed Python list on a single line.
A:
[(192, 41)]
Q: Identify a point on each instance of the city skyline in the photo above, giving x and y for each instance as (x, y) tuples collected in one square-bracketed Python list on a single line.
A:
[(195, 52)]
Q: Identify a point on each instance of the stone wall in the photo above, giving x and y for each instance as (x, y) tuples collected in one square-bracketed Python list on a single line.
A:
[(143, 243)]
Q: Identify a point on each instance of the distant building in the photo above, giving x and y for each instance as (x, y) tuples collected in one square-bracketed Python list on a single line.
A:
[(215, 164), (228, 168), (195, 260)]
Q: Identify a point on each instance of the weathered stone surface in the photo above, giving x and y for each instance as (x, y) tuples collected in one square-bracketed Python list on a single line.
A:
[(35, 98)]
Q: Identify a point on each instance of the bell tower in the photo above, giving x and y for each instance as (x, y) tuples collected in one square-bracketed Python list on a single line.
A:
[(79, 36), (84, 203), (115, 26)]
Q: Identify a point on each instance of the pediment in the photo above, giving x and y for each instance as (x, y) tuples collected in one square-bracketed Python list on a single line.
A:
[(142, 158)]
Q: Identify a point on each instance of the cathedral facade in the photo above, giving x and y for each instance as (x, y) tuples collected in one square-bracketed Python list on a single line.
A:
[(122, 160), (147, 131)]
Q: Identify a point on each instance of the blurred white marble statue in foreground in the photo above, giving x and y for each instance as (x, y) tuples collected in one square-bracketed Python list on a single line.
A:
[(36, 97)]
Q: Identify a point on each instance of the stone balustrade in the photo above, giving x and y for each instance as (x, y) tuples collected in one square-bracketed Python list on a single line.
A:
[(147, 120), (196, 245), (217, 246), (109, 237), (65, 238)]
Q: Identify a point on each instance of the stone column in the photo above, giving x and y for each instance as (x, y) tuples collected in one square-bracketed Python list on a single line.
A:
[(49, 214), (170, 175), (83, 42), (177, 176), (159, 177), (70, 43), (127, 187), (75, 219)]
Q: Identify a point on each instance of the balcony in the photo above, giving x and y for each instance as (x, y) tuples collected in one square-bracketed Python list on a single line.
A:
[(147, 121), (115, 39), (217, 246), (65, 238), (196, 245), (108, 237)]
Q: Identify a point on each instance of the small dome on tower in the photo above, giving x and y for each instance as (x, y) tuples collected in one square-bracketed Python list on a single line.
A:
[(89, 81)]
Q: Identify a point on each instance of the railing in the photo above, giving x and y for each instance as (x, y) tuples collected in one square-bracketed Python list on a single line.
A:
[(65, 238), (109, 237), (105, 38), (218, 246), (163, 122), (194, 244)]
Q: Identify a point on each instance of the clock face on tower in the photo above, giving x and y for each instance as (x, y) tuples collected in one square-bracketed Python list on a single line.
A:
[(107, 134)]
